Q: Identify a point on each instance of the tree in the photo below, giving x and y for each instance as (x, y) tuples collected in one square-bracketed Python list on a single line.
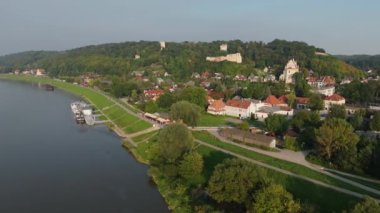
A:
[(165, 100), (150, 107), (191, 166), (195, 95), (357, 119), (233, 180), (173, 141), (335, 136), (368, 205), (245, 127), (291, 99), (277, 124), (274, 199), (337, 111), (301, 87), (375, 122), (304, 119), (316, 102), (187, 112)]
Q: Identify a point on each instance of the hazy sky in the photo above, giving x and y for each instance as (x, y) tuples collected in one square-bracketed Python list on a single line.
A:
[(339, 26)]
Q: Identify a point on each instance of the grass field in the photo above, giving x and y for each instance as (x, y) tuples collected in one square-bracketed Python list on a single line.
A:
[(289, 166), (213, 120), (128, 122), (361, 181), (323, 199)]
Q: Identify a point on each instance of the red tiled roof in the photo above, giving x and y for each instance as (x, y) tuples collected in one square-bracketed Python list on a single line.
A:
[(302, 100), (334, 97), (217, 105), (283, 98), (272, 100), (153, 92), (238, 103)]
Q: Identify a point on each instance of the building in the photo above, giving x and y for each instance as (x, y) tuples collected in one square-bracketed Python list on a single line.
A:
[(40, 72), (217, 107), (290, 69), (334, 99), (240, 77), (302, 102), (323, 81), (153, 94), (273, 101), (137, 56), (248, 137), (235, 58), (223, 47), (326, 91), (265, 111), (239, 108), (162, 45)]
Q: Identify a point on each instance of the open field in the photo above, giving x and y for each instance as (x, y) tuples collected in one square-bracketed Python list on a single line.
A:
[(128, 122)]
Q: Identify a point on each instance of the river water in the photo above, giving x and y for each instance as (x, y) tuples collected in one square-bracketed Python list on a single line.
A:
[(48, 163)]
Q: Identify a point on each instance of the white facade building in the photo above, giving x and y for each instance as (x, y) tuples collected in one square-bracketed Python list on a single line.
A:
[(290, 69)]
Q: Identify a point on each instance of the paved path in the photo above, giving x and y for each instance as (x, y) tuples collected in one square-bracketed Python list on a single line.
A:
[(298, 158), (285, 171), (353, 176)]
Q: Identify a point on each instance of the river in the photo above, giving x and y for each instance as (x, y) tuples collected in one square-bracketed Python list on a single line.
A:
[(48, 163)]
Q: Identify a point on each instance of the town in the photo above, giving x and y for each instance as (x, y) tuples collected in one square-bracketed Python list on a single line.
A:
[(320, 120)]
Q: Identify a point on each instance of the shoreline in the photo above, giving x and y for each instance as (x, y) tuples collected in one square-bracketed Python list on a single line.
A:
[(125, 143)]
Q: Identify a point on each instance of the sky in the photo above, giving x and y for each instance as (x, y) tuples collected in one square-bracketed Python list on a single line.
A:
[(338, 26)]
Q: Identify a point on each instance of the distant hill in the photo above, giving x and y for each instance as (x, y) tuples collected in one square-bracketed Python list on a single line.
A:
[(180, 59), (365, 62)]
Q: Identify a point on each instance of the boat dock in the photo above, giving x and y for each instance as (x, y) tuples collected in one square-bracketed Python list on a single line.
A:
[(84, 114)]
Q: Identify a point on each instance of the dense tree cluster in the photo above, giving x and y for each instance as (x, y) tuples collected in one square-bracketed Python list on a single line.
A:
[(179, 59)]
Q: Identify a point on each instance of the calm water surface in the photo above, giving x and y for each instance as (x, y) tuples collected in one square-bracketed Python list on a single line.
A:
[(50, 164)]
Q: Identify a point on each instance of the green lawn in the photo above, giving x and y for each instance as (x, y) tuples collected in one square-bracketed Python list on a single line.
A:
[(364, 182), (145, 136), (115, 113), (212, 120), (289, 166), (322, 198)]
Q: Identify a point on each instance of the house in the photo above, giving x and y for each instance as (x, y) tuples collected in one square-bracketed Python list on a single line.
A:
[(323, 81), (195, 75), (346, 81), (254, 78), (153, 94), (240, 77), (334, 99), (218, 75), (248, 137), (40, 72), (205, 75), (205, 84), (290, 69), (138, 73), (217, 107), (137, 56), (265, 111), (273, 101), (269, 78), (326, 91), (239, 108), (302, 102)]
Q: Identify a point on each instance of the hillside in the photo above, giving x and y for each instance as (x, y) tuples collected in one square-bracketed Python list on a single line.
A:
[(365, 62), (179, 59)]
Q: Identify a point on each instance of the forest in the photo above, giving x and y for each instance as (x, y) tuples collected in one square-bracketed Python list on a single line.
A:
[(180, 59)]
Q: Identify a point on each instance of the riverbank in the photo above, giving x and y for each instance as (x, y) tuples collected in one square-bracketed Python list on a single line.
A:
[(140, 150), (84, 168)]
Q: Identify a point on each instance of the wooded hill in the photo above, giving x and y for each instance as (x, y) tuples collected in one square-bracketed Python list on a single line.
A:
[(365, 62), (179, 59)]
